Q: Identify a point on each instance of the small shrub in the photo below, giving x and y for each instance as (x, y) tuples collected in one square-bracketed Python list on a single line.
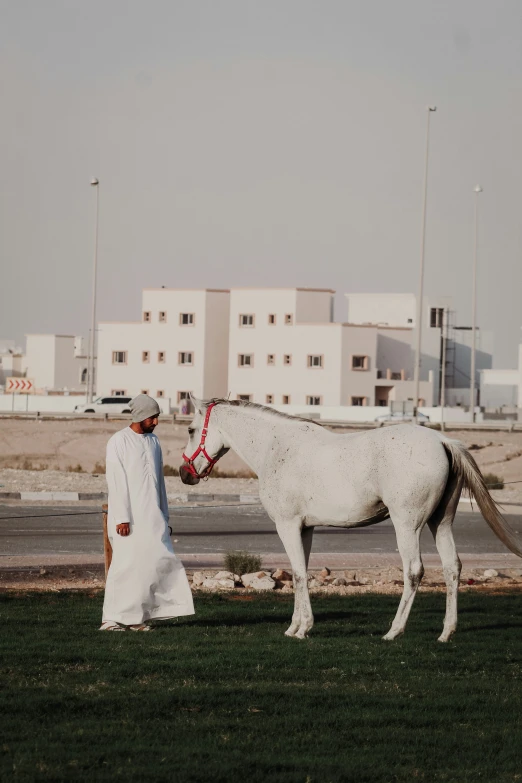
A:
[(475, 447), (168, 470), (493, 481), (75, 469), (242, 563), (99, 468)]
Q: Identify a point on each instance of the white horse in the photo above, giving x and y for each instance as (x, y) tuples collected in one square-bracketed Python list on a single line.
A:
[(311, 476)]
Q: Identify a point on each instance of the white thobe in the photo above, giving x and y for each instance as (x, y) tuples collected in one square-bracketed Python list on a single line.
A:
[(146, 580)]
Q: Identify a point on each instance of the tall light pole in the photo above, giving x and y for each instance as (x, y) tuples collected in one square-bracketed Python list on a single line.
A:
[(443, 368), (430, 110), (95, 183), (477, 189)]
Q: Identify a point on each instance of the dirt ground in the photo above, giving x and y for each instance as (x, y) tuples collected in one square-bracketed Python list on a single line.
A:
[(365, 580), (43, 454)]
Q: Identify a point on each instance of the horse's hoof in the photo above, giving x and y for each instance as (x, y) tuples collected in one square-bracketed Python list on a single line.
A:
[(290, 632), (445, 637), (300, 635), (391, 636)]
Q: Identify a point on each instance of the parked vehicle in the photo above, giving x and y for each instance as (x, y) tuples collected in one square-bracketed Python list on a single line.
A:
[(105, 405), (398, 417)]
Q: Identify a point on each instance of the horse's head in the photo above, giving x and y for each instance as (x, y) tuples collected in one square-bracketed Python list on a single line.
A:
[(206, 444)]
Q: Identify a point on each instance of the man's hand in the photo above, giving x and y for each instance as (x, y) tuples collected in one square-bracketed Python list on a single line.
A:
[(123, 529)]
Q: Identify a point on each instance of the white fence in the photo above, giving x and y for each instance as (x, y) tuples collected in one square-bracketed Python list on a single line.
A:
[(366, 413), (31, 403)]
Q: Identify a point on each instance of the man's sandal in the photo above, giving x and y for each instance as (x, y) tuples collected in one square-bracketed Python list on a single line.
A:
[(110, 626), (141, 628)]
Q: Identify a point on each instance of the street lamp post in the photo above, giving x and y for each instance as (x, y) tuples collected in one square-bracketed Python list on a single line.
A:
[(476, 190), (95, 183), (430, 110)]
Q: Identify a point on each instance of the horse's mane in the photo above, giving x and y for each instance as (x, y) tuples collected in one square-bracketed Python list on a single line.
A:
[(262, 408)]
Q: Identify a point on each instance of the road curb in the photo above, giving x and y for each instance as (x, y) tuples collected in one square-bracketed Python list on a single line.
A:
[(78, 497)]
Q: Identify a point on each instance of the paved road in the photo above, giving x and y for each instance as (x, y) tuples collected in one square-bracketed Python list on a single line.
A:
[(31, 531)]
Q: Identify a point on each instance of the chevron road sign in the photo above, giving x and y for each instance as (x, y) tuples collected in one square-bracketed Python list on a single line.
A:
[(19, 386)]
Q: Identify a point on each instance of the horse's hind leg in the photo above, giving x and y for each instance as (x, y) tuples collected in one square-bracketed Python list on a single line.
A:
[(441, 526), (408, 541)]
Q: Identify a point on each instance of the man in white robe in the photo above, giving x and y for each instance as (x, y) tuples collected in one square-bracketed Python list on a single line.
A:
[(146, 581)]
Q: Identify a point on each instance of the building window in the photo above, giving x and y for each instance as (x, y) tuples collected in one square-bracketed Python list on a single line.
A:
[(118, 393), (186, 319), (245, 360), (162, 317), (145, 356), (161, 357), (272, 319), (410, 320), (382, 403), (183, 395), (358, 401), (83, 375), (315, 361), (146, 317), (270, 359), (246, 320), (269, 399), (287, 358), (160, 393), (185, 357), (286, 399), (289, 319), (312, 400), (359, 362), (119, 357), (144, 391), (245, 397), (436, 317)]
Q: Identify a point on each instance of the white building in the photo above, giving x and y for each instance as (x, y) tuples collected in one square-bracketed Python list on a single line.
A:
[(285, 349), (179, 345), (501, 388), (10, 360), (56, 363), (395, 317)]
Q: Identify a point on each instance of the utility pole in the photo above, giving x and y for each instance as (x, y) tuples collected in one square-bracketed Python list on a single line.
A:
[(430, 110), (445, 314), (477, 190), (95, 183)]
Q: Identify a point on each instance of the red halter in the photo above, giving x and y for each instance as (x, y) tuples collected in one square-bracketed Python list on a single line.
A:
[(201, 450)]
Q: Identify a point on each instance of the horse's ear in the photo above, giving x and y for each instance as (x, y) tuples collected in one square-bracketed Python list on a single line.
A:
[(199, 405)]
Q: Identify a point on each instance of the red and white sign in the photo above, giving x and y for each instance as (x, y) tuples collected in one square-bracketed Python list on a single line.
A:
[(19, 386)]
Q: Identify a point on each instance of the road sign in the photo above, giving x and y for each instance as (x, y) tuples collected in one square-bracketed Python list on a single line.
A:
[(19, 386)]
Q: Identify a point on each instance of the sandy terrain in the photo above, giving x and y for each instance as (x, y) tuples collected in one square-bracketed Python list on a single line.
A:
[(39, 455)]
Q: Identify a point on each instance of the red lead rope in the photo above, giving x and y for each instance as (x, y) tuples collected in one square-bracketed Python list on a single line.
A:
[(201, 450)]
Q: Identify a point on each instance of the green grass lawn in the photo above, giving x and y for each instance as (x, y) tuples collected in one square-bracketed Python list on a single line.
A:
[(225, 696)]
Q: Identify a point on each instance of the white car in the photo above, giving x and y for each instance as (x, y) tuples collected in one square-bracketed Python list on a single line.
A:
[(396, 418), (105, 405)]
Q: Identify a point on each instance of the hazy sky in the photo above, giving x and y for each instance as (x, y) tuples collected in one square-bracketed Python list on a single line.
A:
[(266, 142)]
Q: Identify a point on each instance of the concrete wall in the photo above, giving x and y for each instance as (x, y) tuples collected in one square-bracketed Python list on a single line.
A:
[(388, 309), (39, 360), (314, 306), (358, 341), (217, 327), (66, 364)]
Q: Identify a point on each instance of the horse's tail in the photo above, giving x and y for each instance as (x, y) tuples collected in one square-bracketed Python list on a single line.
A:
[(464, 467)]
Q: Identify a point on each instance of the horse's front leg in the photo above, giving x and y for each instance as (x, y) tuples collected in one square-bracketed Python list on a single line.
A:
[(289, 532)]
